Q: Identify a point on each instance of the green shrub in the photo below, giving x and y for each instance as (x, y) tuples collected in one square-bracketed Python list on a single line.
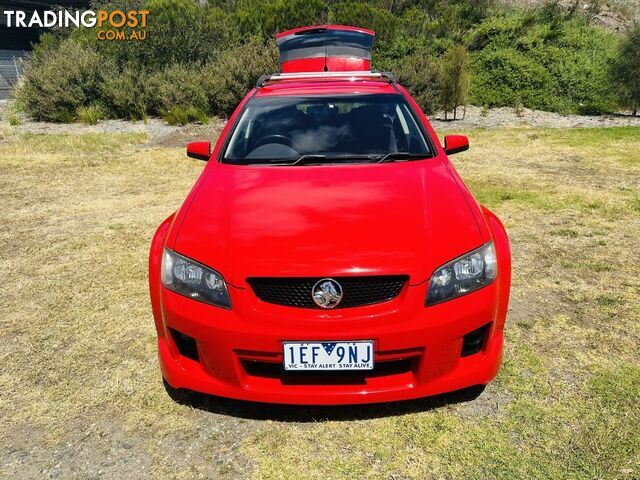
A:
[(91, 114), (205, 58), (12, 112), (541, 63), (365, 15), (125, 93), (134, 94), (65, 116), (266, 18), (228, 80), (625, 70), (47, 44), (119, 52), (60, 80), (182, 32), (178, 31), (177, 86), (184, 115), (507, 77), (419, 74), (499, 31), (418, 37)]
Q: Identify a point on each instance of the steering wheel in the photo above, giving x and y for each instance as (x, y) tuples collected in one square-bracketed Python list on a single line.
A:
[(275, 138)]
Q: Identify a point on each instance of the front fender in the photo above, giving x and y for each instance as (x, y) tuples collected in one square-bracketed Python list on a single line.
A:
[(503, 253), (155, 263)]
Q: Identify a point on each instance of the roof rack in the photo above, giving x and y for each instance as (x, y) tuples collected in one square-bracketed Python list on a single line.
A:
[(355, 75)]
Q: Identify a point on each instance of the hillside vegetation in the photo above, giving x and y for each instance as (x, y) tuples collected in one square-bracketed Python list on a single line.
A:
[(200, 61)]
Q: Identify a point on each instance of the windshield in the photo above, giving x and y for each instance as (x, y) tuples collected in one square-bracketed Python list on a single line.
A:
[(322, 129)]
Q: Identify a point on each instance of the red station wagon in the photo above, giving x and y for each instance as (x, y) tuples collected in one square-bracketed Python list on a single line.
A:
[(329, 253)]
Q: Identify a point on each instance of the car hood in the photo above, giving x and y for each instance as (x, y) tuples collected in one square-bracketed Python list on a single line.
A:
[(397, 218)]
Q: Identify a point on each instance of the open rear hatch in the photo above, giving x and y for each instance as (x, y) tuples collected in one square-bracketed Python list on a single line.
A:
[(325, 48)]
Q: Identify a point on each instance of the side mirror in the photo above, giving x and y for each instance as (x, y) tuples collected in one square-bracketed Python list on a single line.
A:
[(455, 144), (199, 150)]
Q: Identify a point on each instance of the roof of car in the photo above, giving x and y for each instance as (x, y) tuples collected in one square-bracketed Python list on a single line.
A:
[(319, 87)]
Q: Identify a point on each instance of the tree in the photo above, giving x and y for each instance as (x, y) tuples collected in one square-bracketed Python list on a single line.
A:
[(454, 78), (626, 70)]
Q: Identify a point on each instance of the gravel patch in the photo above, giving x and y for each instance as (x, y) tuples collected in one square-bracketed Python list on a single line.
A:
[(153, 127), (477, 117), (161, 134)]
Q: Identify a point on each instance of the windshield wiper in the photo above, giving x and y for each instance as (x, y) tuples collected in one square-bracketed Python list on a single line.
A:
[(310, 158), (392, 156), (313, 158), (302, 160)]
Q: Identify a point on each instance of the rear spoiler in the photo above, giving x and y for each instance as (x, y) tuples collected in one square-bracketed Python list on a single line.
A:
[(325, 48)]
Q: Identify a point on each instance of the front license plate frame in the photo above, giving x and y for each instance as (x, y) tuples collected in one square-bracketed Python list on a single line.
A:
[(334, 355)]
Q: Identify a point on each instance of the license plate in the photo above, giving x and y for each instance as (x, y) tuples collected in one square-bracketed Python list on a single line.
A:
[(328, 355)]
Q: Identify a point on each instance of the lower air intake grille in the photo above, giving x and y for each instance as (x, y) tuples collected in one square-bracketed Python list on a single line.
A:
[(357, 291)]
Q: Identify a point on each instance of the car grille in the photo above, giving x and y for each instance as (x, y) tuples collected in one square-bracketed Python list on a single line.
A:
[(399, 368), (357, 291)]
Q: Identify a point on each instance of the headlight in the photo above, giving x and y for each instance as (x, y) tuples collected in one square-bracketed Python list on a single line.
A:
[(463, 275), (193, 280)]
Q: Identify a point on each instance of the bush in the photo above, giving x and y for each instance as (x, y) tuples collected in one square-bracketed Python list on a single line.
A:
[(625, 70), (125, 93), (418, 73), (506, 77), (91, 114), (184, 115), (204, 59), (60, 81), (47, 44), (266, 18), (178, 31), (12, 112), (228, 79), (177, 86), (182, 32), (368, 16), (541, 63)]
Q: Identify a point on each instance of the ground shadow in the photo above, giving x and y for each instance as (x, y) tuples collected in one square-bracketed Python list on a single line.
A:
[(449, 119), (305, 413)]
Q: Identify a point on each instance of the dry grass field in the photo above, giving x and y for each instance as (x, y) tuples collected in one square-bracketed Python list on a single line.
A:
[(80, 390)]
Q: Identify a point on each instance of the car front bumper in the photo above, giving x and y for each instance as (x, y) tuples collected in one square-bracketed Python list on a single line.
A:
[(417, 348)]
